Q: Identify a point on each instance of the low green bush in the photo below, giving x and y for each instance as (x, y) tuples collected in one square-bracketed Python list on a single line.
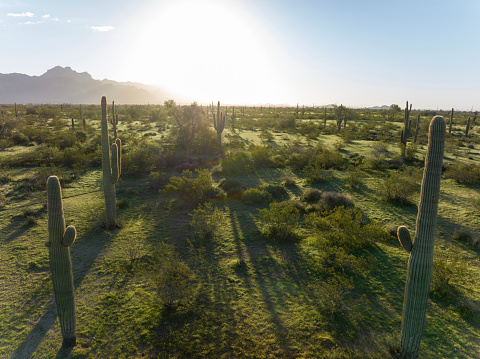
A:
[(237, 165), (311, 195), (207, 220), (449, 271), (189, 188), (279, 220), (468, 174), (170, 277), (231, 186), (331, 200), (256, 196), (399, 187), (345, 227)]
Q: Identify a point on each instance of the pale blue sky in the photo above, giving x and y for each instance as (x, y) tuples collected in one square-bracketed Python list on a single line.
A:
[(358, 53)]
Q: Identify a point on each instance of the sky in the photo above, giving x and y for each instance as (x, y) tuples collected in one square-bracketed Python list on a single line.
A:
[(351, 52)]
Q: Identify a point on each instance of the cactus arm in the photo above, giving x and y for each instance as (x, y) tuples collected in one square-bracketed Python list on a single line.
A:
[(69, 236), (114, 151), (404, 238), (420, 263), (119, 155), (60, 262)]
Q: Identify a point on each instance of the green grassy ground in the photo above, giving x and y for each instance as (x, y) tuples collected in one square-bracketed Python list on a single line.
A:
[(254, 297)]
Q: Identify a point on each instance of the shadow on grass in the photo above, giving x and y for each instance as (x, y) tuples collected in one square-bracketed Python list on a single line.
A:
[(84, 252)]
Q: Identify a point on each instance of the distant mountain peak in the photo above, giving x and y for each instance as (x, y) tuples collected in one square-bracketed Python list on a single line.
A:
[(59, 71), (65, 85)]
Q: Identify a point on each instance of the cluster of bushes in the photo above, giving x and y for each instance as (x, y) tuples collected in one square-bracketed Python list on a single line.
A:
[(193, 188), (340, 237), (399, 187), (313, 200), (468, 174), (264, 193)]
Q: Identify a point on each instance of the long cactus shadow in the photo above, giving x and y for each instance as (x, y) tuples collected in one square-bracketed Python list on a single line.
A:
[(275, 281), (84, 253)]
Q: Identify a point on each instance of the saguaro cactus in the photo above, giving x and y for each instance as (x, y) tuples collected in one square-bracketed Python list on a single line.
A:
[(467, 128), (114, 120), (59, 241), (111, 168), (406, 125), (420, 263), (219, 125)]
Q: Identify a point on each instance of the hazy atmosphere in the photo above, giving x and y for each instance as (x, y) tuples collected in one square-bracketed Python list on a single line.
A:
[(359, 53)]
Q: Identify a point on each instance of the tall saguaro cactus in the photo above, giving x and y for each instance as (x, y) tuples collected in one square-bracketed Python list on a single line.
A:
[(406, 125), (420, 263), (111, 168), (59, 241), (219, 125)]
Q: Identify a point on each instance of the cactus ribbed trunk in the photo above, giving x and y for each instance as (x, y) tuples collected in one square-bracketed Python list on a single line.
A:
[(111, 168), (420, 263), (219, 125), (60, 240)]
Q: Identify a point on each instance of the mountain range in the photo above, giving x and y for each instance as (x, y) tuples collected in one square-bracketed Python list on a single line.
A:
[(64, 85)]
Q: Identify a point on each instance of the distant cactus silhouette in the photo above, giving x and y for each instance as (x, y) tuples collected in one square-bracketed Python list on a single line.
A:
[(420, 263), (59, 241), (111, 168), (406, 125), (219, 125)]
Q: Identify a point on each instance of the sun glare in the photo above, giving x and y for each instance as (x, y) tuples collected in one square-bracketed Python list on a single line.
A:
[(204, 51)]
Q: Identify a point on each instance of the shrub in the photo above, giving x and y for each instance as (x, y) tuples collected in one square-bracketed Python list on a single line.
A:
[(449, 269), (236, 165), (468, 174), (191, 190), (156, 180), (353, 178), (262, 157), (256, 196), (331, 200), (316, 174), (207, 220), (143, 156), (346, 228), (20, 138), (278, 191), (330, 296), (465, 236), (399, 187), (289, 182), (410, 151), (279, 220), (170, 278), (311, 195), (215, 193), (230, 186)]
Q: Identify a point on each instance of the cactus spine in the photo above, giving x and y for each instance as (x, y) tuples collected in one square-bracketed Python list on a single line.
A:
[(111, 168), (219, 125), (420, 263), (59, 241)]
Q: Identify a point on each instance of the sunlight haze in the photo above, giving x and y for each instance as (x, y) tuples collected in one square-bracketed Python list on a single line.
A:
[(358, 53)]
